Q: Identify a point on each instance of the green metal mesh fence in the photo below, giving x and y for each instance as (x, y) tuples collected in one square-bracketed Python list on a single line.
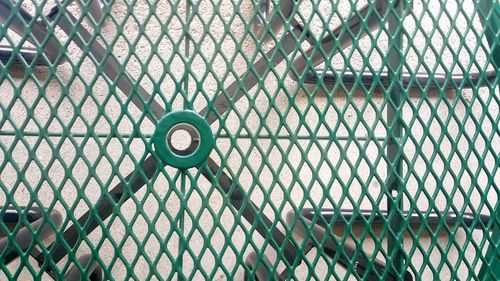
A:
[(239, 139)]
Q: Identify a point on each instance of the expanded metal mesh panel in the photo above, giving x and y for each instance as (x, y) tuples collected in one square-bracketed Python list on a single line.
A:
[(237, 139)]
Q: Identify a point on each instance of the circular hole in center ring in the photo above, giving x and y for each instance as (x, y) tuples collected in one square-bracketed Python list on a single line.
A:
[(183, 139), (183, 155)]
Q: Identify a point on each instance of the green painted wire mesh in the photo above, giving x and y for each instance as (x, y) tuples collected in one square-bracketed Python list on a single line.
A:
[(387, 140)]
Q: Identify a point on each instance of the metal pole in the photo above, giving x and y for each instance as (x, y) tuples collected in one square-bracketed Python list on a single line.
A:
[(395, 186)]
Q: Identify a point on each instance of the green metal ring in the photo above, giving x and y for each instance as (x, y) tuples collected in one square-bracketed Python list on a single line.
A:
[(200, 154)]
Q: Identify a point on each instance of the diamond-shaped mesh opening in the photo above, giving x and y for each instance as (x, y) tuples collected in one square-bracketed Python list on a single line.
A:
[(351, 140)]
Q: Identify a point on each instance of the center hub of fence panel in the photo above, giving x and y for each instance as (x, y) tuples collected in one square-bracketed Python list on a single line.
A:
[(183, 139)]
